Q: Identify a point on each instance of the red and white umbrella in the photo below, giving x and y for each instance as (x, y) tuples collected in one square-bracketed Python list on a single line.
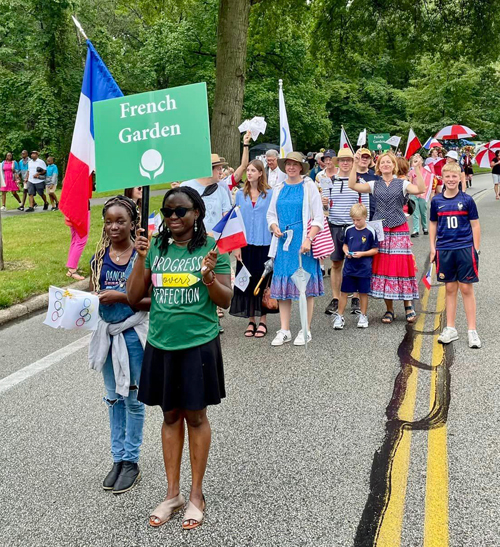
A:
[(455, 132), (486, 153)]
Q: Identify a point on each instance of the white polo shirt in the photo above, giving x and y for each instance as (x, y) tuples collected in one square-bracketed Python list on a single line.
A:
[(32, 167)]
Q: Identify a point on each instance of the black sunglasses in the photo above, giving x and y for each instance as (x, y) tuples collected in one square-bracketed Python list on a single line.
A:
[(180, 212)]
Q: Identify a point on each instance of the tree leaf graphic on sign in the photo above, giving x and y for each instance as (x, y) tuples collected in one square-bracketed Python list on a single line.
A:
[(151, 164)]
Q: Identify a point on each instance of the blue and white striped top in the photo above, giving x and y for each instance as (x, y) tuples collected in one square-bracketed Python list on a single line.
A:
[(342, 198)]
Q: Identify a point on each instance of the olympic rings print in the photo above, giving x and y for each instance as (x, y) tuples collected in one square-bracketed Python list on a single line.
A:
[(58, 307), (85, 315)]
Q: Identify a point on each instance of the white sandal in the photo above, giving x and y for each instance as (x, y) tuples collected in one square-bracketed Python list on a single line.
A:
[(165, 510), (193, 514)]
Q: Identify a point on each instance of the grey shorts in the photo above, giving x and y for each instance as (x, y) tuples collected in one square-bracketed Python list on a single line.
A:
[(338, 233), (496, 178), (38, 188)]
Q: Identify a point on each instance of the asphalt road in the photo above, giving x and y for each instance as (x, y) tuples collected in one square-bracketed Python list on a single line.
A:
[(335, 446)]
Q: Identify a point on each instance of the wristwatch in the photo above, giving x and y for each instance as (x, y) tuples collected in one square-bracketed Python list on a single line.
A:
[(309, 238)]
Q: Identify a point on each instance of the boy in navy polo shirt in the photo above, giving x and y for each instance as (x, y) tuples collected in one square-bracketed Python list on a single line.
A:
[(360, 245), (455, 236)]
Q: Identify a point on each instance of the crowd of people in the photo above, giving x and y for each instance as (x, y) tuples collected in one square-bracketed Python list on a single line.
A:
[(31, 176), (171, 357)]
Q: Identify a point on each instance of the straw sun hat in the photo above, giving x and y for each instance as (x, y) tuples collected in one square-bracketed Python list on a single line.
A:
[(294, 156)]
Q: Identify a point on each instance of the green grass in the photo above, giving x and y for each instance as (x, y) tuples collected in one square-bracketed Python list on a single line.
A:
[(36, 249)]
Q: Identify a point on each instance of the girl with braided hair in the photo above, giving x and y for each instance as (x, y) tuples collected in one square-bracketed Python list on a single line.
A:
[(182, 370), (117, 345)]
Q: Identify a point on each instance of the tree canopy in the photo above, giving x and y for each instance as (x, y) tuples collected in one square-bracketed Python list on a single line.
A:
[(384, 65)]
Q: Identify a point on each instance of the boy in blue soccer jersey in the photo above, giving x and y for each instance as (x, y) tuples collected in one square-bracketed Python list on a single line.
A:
[(455, 236), (360, 246)]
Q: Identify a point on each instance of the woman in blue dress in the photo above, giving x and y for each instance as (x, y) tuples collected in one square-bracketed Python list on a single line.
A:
[(295, 213)]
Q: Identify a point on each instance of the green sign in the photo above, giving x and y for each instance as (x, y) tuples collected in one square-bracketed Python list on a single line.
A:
[(152, 138), (377, 141)]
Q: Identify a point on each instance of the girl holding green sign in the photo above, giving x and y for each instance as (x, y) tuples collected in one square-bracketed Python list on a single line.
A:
[(182, 370)]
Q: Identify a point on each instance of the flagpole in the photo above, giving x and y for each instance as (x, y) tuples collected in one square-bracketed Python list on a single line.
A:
[(79, 27)]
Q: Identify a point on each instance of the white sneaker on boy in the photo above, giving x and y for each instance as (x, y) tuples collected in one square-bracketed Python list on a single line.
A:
[(338, 322), (363, 321)]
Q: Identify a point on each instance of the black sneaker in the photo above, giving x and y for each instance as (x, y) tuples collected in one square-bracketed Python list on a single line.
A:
[(20, 208), (111, 477), (426, 233), (355, 309), (323, 271), (30, 210), (45, 206), (415, 234), (129, 476), (332, 307), (56, 208)]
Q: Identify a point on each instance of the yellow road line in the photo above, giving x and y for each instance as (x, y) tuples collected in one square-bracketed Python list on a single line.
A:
[(389, 533), (436, 533)]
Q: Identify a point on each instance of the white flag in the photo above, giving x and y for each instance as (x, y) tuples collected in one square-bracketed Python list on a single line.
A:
[(362, 138), (394, 141), (72, 310), (242, 279), (256, 126), (285, 138), (378, 227)]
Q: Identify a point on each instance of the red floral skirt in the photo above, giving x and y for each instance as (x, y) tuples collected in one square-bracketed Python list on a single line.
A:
[(394, 268)]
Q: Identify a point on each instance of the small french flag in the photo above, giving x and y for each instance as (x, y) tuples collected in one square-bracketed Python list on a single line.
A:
[(154, 221), (428, 276), (229, 232)]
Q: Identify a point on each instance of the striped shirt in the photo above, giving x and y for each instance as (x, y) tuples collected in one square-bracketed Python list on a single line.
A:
[(341, 199)]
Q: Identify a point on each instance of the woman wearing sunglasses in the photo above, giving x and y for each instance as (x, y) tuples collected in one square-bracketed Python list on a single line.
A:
[(182, 371)]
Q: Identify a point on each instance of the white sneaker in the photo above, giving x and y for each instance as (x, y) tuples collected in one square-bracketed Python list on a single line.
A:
[(363, 321), (474, 340), (299, 341), (282, 337), (338, 322), (448, 335)]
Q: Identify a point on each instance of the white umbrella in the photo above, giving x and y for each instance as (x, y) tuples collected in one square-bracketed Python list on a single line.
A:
[(301, 278)]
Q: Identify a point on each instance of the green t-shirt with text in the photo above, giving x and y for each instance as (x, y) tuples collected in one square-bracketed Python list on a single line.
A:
[(182, 313)]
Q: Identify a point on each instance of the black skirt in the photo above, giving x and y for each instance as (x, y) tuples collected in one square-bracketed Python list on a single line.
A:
[(245, 304), (187, 379)]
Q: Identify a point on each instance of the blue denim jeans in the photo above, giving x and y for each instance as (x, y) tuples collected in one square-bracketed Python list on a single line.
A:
[(126, 414)]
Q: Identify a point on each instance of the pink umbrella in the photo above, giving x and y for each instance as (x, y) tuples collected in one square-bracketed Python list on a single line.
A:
[(455, 132)]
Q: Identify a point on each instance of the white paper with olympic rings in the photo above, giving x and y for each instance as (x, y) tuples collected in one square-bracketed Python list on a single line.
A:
[(72, 310)]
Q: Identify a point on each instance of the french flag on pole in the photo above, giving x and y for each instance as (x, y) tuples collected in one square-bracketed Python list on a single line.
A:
[(98, 85), (229, 232), (431, 142), (428, 277)]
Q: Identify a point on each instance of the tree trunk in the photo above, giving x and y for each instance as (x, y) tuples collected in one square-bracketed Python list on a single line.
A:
[(232, 31)]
